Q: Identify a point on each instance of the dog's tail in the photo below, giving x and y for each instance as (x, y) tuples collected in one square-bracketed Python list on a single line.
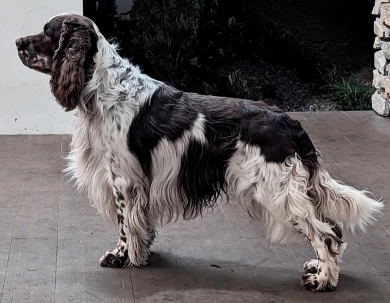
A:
[(341, 202), (334, 199)]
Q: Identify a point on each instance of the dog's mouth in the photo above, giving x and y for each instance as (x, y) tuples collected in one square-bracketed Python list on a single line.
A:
[(33, 63), (23, 56)]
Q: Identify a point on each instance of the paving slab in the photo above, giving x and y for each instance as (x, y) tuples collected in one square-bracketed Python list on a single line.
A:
[(51, 238)]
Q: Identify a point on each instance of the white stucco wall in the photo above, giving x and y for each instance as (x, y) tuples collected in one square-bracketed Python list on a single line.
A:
[(26, 104)]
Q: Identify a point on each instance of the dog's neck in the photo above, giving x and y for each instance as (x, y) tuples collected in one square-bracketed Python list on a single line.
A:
[(115, 81)]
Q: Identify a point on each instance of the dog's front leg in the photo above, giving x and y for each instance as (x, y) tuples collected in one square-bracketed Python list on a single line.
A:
[(136, 231)]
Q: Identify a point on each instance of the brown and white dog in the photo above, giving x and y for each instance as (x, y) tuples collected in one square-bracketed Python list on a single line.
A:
[(147, 153)]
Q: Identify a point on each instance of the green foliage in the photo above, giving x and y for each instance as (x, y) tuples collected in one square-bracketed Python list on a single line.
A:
[(183, 42), (162, 35), (238, 84), (217, 47), (347, 90)]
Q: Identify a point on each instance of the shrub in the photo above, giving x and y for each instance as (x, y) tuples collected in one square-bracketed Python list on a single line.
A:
[(162, 36), (347, 90)]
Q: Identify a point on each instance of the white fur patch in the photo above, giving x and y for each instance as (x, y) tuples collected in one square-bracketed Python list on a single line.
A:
[(97, 138), (166, 203), (257, 185)]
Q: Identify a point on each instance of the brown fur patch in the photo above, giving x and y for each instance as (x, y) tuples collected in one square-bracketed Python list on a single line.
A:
[(68, 72)]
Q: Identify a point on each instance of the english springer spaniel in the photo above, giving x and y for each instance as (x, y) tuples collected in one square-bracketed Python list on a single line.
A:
[(147, 154)]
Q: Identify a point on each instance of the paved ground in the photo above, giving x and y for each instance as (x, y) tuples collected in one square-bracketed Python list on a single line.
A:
[(51, 239)]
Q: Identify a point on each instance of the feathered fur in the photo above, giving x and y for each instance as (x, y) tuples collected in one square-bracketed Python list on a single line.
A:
[(147, 154)]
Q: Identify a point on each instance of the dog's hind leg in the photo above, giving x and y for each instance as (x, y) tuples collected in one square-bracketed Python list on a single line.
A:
[(325, 238), (285, 196), (312, 265), (322, 273), (280, 191), (136, 231), (292, 203)]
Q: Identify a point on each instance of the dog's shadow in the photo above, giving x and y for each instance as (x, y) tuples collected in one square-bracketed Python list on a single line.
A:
[(164, 278)]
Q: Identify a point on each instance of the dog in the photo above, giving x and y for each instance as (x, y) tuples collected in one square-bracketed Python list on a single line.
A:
[(147, 154)]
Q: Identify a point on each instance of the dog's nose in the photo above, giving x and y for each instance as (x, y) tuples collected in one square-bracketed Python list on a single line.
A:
[(18, 42)]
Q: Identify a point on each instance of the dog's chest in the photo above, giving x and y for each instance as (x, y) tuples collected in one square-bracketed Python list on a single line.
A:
[(116, 154), (100, 151)]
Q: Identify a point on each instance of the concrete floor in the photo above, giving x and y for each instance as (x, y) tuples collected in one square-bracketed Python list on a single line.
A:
[(51, 239)]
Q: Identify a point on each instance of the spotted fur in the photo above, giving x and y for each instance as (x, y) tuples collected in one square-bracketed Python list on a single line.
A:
[(147, 154)]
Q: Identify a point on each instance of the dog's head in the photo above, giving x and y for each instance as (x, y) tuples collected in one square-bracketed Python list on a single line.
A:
[(64, 50)]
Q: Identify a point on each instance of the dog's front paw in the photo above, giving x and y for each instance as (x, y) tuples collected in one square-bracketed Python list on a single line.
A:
[(115, 260), (316, 283), (311, 267)]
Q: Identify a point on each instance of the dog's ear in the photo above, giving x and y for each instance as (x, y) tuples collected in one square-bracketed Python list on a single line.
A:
[(68, 70)]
